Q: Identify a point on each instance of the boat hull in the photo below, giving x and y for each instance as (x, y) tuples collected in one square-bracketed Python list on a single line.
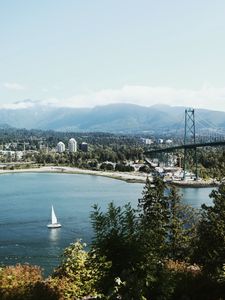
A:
[(52, 226)]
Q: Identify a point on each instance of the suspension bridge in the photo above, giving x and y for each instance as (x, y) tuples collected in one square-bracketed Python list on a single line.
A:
[(190, 141), (185, 146)]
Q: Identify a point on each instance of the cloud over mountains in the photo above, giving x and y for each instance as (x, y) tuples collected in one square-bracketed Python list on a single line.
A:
[(207, 97), (116, 117)]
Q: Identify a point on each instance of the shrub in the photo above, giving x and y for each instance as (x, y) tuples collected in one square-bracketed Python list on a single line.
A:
[(79, 273), (107, 166), (17, 282), (124, 168)]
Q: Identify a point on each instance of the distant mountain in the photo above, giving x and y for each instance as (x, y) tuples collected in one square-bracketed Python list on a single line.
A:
[(123, 118), (4, 126)]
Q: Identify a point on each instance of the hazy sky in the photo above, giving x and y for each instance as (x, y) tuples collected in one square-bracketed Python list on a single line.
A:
[(92, 52)]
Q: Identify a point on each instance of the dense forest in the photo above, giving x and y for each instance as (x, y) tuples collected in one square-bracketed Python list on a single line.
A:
[(163, 249)]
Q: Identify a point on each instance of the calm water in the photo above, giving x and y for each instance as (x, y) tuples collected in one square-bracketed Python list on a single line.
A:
[(26, 201)]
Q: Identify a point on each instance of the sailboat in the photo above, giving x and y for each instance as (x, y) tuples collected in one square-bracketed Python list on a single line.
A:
[(54, 223)]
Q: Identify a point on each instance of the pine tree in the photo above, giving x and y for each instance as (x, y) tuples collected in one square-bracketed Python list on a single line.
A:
[(210, 252), (168, 224), (154, 215), (181, 227), (116, 238)]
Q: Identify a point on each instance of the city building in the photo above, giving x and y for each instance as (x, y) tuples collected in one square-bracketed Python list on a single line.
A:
[(84, 147), (169, 141), (72, 145), (147, 141), (60, 147)]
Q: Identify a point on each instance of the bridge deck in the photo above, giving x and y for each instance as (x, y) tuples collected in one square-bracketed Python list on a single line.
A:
[(186, 146)]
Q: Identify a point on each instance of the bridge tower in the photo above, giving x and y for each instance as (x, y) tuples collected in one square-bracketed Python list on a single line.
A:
[(189, 137)]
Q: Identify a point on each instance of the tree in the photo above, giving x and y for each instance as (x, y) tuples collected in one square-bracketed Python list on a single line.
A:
[(117, 238), (167, 229), (18, 282), (107, 166), (181, 227), (139, 244), (211, 234), (124, 168), (145, 169), (154, 214), (79, 273)]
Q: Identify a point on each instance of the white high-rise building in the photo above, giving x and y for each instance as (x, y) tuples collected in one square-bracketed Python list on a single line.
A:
[(60, 147), (72, 145)]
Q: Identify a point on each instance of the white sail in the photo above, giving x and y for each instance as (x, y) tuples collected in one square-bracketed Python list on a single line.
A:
[(54, 219), (54, 223)]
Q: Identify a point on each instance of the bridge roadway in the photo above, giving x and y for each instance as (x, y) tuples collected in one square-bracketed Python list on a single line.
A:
[(186, 146)]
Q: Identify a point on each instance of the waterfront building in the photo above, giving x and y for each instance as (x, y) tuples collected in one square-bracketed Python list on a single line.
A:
[(72, 145), (60, 147)]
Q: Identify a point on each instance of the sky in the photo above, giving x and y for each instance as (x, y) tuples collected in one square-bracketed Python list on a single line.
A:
[(84, 53)]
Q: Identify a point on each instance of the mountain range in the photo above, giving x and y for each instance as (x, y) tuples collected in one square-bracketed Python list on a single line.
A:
[(117, 118)]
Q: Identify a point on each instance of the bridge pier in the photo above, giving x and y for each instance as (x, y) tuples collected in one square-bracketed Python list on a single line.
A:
[(189, 134)]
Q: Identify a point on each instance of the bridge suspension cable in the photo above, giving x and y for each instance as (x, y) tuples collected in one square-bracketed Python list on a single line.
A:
[(205, 123)]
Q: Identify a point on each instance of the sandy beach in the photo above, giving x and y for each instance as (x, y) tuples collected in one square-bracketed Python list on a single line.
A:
[(128, 177), (131, 177)]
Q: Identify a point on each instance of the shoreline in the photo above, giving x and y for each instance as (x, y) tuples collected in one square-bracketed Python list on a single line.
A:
[(129, 177), (195, 184), (133, 177)]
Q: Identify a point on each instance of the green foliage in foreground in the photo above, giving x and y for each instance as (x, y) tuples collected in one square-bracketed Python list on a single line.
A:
[(81, 271), (159, 251), (210, 250), (139, 243)]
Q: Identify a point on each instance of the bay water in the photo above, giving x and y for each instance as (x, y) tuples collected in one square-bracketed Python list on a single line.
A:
[(25, 208)]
